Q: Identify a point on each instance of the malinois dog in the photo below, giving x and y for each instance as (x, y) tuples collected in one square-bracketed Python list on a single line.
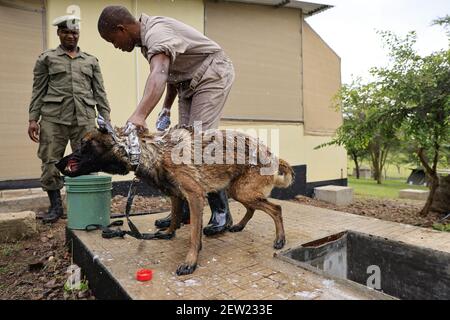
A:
[(179, 163)]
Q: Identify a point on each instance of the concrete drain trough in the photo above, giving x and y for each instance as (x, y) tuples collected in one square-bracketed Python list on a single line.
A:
[(393, 268)]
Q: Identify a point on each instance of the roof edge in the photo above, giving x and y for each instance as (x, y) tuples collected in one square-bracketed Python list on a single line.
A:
[(308, 8), (318, 10)]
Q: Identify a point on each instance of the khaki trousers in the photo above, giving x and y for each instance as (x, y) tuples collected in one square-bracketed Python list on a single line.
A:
[(205, 99)]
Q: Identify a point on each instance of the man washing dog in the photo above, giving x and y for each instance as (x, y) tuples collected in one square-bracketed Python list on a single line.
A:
[(185, 63)]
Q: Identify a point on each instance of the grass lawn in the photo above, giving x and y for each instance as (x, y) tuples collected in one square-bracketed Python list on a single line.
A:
[(389, 188)]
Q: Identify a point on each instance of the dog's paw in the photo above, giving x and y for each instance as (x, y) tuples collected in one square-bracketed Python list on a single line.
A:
[(279, 243), (185, 269), (236, 228), (164, 235)]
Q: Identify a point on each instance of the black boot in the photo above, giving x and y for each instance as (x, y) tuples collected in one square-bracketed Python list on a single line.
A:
[(42, 214), (56, 209), (221, 217), (164, 223)]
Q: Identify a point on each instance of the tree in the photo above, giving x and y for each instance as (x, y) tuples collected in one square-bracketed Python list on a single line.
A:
[(444, 22), (348, 135), (419, 88), (382, 134), (402, 155), (361, 134)]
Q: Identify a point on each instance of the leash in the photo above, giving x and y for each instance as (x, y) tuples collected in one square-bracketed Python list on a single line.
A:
[(137, 214), (134, 232)]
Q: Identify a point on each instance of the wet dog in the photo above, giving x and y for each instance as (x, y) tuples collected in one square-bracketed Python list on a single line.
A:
[(187, 165)]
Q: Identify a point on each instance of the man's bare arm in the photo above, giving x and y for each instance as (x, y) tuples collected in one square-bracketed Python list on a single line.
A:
[(171, 94), (154, 89)]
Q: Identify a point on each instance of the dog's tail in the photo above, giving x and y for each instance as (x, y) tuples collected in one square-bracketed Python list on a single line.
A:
[(285, 176)]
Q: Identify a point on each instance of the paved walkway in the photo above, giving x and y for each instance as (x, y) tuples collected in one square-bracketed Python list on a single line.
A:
[(241, 265)]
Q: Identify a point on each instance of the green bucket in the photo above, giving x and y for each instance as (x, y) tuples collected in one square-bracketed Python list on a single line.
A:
[(88, 201)]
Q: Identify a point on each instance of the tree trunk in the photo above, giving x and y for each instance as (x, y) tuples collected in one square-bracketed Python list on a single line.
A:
[(377, 170), (432, 174), (441, 201), (373, 157), (355, 160), (378, 156), (433, 188), (378, 175)]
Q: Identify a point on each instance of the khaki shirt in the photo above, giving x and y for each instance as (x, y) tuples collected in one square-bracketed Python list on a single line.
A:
[(66, 90), (187, 48)]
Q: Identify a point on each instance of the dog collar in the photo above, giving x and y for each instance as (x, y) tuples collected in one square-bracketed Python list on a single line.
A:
[(133, 146)]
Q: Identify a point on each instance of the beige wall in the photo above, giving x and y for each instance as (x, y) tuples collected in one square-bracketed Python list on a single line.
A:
[(265, 47), (321, 82), (298, 149), (29, 4), (18, 158)]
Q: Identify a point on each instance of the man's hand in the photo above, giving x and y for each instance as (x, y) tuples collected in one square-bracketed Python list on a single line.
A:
[(163, 121), (33, 131), (139, 122)]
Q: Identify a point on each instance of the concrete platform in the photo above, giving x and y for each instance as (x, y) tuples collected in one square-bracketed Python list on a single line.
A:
[(14, 193), (337, 195), (414, 194), (233, 265), (25, 200), (16, 226)]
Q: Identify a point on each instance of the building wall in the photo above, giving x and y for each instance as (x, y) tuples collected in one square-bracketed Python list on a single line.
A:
[(276, 55), (298, 149), (125, 75), (321, 82), (21, 41), (265, 47)]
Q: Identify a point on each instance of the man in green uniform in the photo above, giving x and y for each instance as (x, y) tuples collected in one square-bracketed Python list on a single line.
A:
[(67, 87)]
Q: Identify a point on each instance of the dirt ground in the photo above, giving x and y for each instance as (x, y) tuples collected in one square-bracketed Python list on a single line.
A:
[(36, 268), (401, 211), (140, 204)]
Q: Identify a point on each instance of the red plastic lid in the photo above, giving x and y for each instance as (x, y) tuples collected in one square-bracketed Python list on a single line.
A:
[(144, 275)]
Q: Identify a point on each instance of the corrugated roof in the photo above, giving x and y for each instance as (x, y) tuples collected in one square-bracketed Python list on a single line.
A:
[(308, 8)]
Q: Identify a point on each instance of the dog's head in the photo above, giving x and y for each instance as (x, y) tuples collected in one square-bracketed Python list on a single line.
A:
[(100, 151)]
